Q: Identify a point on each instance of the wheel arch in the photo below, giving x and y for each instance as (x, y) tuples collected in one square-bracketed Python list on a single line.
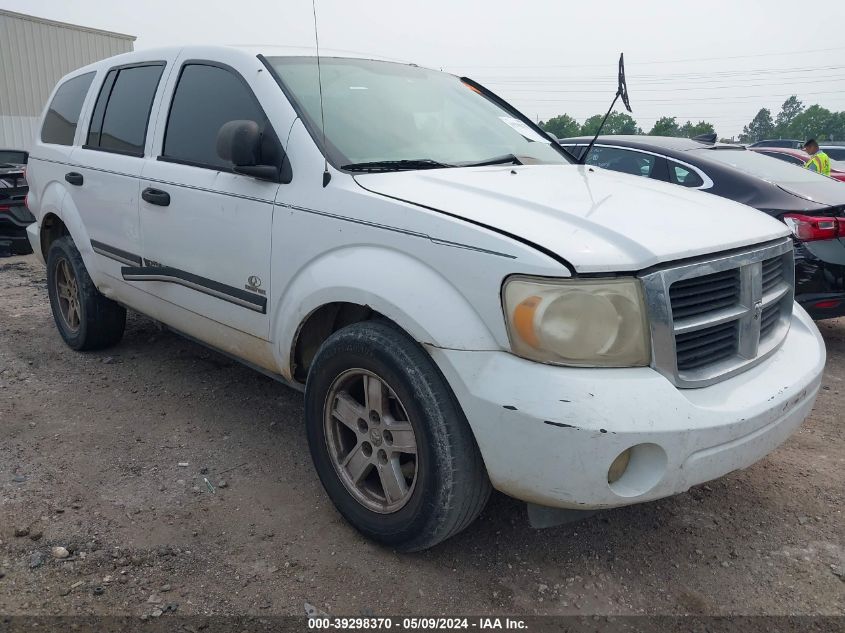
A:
[(59, 216), (52, 228), (359, 283)]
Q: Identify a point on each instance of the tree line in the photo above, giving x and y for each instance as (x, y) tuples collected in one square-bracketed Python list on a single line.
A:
[(564, 126), (793, 121)]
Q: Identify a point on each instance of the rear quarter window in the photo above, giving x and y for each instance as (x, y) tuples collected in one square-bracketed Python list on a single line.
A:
[(62, 117), (684, 176)]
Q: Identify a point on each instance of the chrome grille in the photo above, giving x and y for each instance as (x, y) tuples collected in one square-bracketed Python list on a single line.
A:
[(713, 318)]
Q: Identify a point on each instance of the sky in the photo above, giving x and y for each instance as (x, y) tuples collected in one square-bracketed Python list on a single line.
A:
[(720, 60)]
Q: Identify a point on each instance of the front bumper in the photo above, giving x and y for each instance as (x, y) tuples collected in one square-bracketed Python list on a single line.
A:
[(549, 434)]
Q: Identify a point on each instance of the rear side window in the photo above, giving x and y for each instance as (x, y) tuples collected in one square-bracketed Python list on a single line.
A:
[(684, 176), (63, 115), (206, 97), (624, 160), (119, 121)]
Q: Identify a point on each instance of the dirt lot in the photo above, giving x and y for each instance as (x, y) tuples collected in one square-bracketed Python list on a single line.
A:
[(106, 455)]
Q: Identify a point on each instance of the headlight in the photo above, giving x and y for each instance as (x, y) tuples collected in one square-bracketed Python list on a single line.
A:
[(590, 323)]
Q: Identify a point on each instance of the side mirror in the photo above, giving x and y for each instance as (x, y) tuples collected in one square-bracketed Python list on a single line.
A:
[(240, 142)]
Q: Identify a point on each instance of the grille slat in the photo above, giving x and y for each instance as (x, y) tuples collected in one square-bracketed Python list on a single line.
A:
[(772, 273), (708, 293), (688, 342), (692, 291), (705, 347), (768, 319), (710, 304), (712, 357)]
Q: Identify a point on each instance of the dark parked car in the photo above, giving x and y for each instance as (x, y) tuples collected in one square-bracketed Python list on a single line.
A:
[(813, 206), (836, 152), (13, 157), (14, 216), (791, 143)]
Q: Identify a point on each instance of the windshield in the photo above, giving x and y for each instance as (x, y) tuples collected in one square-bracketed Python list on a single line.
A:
[(379, 111), (762, 166)]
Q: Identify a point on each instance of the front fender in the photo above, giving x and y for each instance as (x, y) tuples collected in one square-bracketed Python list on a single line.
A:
[(427, 305)]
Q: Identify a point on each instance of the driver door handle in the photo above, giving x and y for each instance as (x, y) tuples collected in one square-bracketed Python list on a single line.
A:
[(156, 196)]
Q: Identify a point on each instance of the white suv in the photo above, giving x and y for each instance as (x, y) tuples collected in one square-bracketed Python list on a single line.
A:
[(463, 306)]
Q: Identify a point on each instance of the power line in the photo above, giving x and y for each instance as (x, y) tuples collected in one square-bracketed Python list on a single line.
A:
[(685, 89), (662, 85), (691, 85), (670, 61), (662, 77), (686, 99)]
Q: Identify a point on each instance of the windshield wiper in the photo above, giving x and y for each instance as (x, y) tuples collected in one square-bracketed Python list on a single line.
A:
[(505, 159), (396, 165)]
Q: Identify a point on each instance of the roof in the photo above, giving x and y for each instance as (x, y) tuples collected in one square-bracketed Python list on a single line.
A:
[(274, 50), (209, 51), (642, 141), (67, 25)]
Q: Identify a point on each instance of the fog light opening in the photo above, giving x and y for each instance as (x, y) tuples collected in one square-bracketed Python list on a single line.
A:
[(619, 466), (637, 470)]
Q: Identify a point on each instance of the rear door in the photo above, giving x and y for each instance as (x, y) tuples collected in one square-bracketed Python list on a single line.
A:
[(103, 181), (206, 230)]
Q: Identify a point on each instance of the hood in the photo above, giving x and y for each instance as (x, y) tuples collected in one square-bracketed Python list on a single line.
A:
[(598, 220)]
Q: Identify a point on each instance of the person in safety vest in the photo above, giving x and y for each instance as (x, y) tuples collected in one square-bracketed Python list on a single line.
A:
[(819, 161)]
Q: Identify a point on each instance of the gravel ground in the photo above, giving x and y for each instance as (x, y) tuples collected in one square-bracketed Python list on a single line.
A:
[(107, 454)]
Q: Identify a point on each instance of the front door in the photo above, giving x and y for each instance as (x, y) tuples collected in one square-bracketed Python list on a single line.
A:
[(206, 230)]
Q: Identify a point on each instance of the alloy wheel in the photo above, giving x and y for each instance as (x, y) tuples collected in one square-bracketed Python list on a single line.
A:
[(67, 291), (371, 441)]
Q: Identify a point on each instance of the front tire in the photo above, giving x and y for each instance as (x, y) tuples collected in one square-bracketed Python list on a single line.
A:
[(389, 440), (85, 318)]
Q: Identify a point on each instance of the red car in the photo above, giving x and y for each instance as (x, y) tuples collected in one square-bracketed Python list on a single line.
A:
[(800, 157)]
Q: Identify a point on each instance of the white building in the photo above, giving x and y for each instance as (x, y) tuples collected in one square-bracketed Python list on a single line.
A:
[(34, 54)]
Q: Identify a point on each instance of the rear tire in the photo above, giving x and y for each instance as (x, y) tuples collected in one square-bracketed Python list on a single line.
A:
[(405, 471), (85, 318)]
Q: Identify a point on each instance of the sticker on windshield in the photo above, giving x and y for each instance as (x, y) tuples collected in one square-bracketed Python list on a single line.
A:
[(523, 129)]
